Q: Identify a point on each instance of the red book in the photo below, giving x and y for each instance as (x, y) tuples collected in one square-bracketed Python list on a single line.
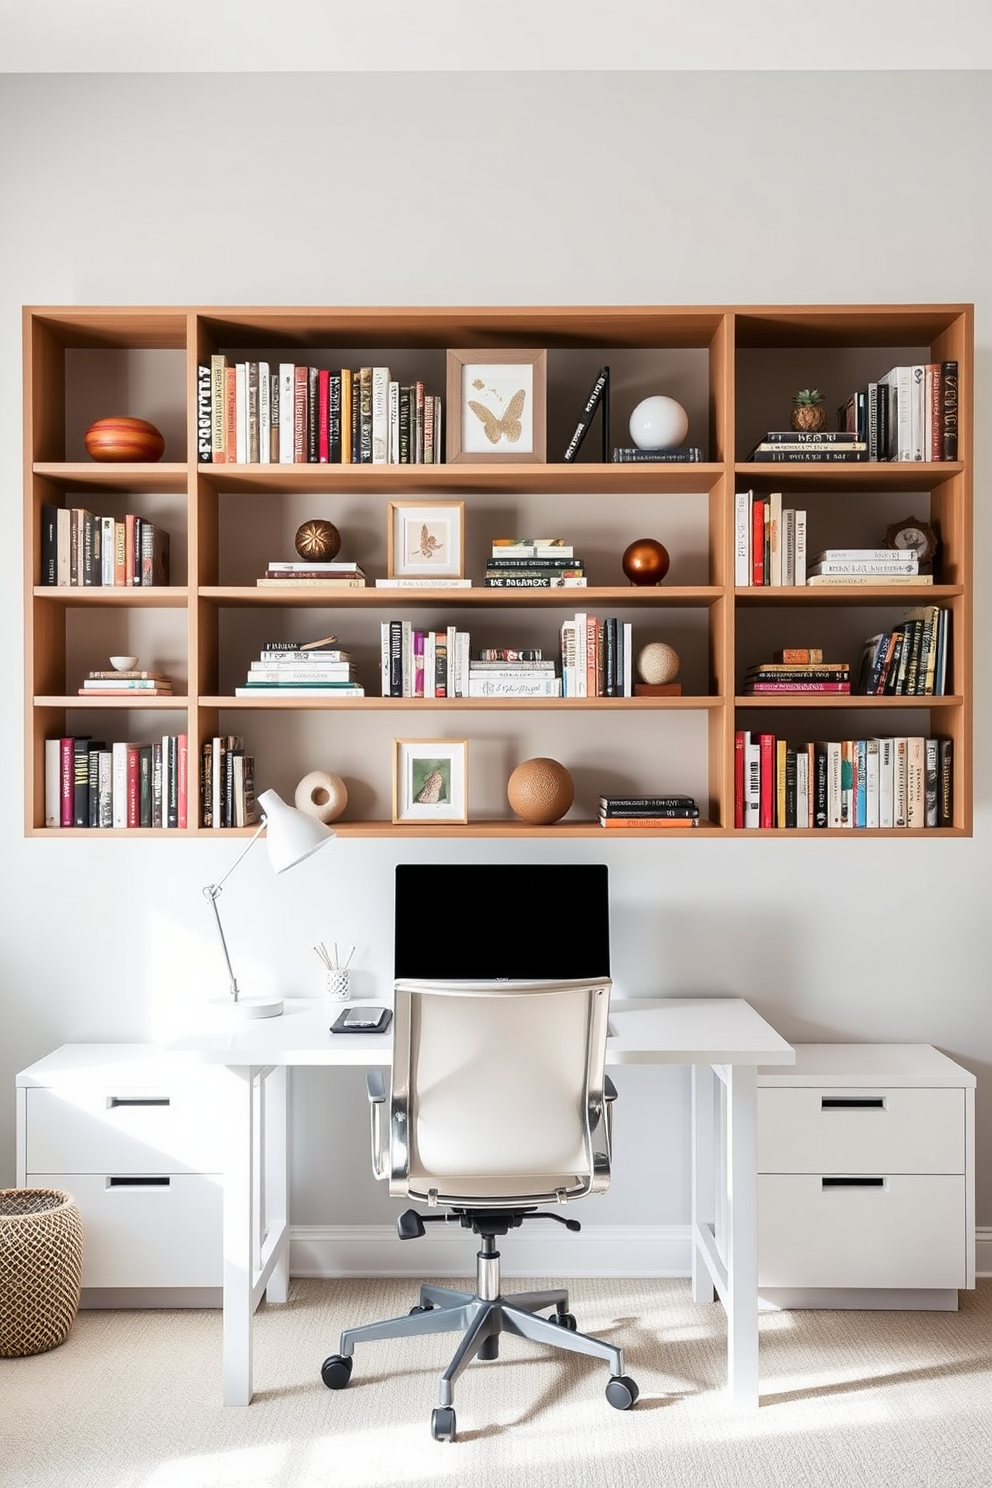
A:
[(758, 541), (134, 785), (182, 772), (323, 415), (766, 802), (766, 687), (739, 778)]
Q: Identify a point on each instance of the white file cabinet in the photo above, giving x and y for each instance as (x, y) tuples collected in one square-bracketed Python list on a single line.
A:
[(137, 1138), (866, 1178)]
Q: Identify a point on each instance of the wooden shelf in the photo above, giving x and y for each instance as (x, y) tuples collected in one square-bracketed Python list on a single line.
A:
[(734, 365)]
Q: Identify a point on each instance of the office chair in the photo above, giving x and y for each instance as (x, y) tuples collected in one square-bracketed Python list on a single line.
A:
[(498, 1103)]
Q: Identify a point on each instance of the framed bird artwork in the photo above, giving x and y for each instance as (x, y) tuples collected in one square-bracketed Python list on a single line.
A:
[(426, 539)]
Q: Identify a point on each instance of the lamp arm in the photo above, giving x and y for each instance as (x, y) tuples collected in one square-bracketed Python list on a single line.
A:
[(212, 892)]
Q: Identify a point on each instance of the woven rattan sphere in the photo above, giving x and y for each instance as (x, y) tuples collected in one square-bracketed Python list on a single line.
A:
[(540, 790), (318, 539)]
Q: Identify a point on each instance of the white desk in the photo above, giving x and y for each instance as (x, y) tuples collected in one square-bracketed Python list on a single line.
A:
[(724, 1039)]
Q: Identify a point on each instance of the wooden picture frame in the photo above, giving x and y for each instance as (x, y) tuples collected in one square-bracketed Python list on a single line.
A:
[(426, 539), (430, 780), (496, 405)]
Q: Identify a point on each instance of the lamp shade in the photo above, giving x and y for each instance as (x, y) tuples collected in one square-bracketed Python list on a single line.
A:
[(290, 835)]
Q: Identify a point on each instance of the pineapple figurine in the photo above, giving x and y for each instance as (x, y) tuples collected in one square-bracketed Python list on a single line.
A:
[(808, 413)]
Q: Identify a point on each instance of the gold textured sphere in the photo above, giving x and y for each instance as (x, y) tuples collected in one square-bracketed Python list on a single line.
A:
[(318, 539), (645, 561), (540, 790), (657, 663)]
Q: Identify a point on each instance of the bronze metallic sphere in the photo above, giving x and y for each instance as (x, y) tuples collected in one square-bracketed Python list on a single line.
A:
[(645, 561)]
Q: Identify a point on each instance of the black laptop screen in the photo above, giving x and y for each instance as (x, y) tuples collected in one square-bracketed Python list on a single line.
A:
[(487, 921)]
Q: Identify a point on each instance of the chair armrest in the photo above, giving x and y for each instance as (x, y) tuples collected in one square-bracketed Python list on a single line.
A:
[(375, 1085), (609, 1089)]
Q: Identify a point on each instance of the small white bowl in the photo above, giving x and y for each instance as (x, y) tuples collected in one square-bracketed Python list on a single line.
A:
[(124, 663)]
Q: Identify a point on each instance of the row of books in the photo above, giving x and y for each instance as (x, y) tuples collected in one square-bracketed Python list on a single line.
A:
[(910, 660), (254, 412), (648, 811), (769, 541), (596, 656), (905, 781), (910, 413), (92, 783), (423, 663), (80, 548), (227, 783)]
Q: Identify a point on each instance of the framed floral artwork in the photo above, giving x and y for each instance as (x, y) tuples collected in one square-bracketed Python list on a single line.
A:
[(496, 405), (430, 780), (426, 539)]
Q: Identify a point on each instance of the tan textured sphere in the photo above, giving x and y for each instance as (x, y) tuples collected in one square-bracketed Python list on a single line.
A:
[(322, 795), (657, 663), (318, 539), (540, 790)]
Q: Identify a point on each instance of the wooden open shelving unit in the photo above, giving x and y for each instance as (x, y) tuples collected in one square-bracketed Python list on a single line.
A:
[(734, 368)]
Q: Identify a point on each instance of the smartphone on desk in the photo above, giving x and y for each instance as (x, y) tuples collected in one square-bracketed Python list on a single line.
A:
[(362, 1020)]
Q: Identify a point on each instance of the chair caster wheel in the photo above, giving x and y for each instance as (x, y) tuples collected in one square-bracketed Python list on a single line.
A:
[(621, 1392), (564, 1320), (336, 1371), (443, 1423)]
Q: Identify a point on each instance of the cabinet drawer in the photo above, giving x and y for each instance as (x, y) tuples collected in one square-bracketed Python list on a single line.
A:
[(147, 1129), (146, 1234), (837, 1130), (908, 1231)]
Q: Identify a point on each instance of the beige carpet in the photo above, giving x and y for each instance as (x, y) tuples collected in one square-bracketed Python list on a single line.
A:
[(131, 1400)]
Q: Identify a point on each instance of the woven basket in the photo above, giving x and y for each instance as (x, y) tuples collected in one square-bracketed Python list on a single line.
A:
[(41, 1265)]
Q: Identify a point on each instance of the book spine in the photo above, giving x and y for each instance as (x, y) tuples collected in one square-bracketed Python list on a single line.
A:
[(777, 686), (819, 455), (119, 757), (48, 573), (949, 410), (528, 564), (313, 419), (380, 415), (585, 417), (803, 436), (231, 414), (758, 508), (218, 421), (365, 415), (934, 407), (251, 414), (629, 455), (536, 581), (299, 406), (204, 440), (393, 450), (945, 783), (264, 413), (323, 416), (241, 412)]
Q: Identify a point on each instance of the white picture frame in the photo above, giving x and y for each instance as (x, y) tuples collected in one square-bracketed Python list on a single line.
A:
[(426, 539), (430, 780)]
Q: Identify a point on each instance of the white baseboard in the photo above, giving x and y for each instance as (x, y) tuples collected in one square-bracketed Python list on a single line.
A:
[(545, 1250), (597, 1250)]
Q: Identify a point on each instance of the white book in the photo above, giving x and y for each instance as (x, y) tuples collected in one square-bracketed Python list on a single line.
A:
[(438, 583), (393, 450), (919, 424), (438, 434), (742, 539), (916, 775), (775, 539), (406, 654), (451, 638), (63, 544), (802, 789), (886, 782), (581, 662), (430, 648), (628, 658), (752, 780), (264, 414), (53, 782), (789, 546), (484, 684), (897, 565), (568, 629), (898, 381), (241, 411), (380, 415), (118, 766), (107, 525), (287, 403), (105, 787), (871, 783)]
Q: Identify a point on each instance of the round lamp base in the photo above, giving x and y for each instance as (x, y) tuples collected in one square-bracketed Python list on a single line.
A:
[(248, 1007)]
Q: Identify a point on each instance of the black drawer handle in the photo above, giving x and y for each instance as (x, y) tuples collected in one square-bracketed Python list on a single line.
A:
[(852, 1182), (139, 1100), (852, 1103), (134, 1181)]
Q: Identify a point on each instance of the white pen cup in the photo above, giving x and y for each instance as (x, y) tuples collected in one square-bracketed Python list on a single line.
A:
[(338, 984)]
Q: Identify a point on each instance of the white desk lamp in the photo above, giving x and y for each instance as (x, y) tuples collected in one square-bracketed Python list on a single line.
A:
[(290, 836)]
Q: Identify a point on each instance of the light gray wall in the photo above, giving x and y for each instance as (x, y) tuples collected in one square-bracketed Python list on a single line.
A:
[(476, 189)]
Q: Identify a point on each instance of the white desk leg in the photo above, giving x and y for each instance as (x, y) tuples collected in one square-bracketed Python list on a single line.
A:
[(703, 1176), (742, 1235), (276, 1180), (239, 1208)]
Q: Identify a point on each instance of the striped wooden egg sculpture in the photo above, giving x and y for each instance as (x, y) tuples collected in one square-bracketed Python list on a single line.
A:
[(123, 438)]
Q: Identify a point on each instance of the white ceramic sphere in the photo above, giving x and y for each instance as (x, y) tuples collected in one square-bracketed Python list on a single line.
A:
[(658, 423), (322, 795), (657, 663)]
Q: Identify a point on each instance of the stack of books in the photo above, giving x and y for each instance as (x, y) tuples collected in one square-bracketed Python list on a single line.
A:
[(501, 678), (134, 685), (284, 669), (533, 563), (648, 811), (308, 573), (865, 566), (791, 445), (825, 677)]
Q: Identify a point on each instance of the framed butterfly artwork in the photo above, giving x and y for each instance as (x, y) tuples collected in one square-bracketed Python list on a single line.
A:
[(426, 540), (496, 405), (430, 780)]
